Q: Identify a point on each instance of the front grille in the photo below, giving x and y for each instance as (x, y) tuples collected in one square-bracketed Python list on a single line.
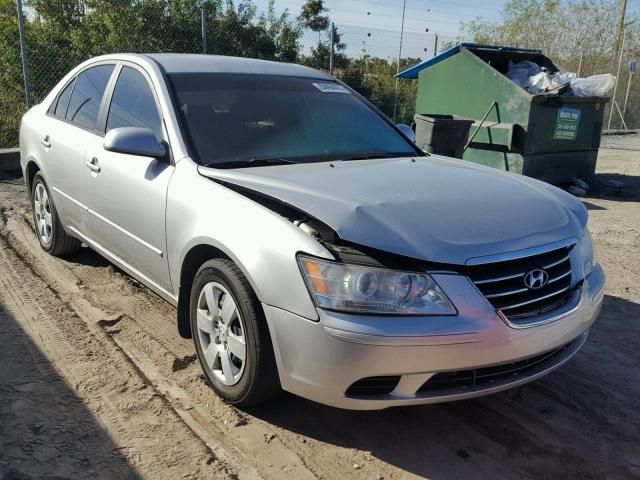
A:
[(502, 283), (479, 377), (373, 386)]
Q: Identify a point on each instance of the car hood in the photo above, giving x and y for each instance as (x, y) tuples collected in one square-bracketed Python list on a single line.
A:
[(430, 208)]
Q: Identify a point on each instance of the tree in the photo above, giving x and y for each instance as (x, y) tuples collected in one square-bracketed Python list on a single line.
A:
[(11, 91), (312, 15), (283, 31), (571, 33), (563, 30)]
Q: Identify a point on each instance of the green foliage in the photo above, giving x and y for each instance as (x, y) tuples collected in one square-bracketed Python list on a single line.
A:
[(63, 33), (11, 92), (312, 16), (374, 79)]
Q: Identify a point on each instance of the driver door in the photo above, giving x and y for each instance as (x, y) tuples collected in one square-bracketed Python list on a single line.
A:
[(126, 194)]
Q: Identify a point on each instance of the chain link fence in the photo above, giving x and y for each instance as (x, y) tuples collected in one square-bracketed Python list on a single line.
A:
[(365, 58)]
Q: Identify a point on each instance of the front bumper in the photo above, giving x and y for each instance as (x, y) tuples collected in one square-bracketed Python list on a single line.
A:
[(321, 360)]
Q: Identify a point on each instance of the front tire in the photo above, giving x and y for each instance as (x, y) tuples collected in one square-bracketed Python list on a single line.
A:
[(51, 235), (231, 335)]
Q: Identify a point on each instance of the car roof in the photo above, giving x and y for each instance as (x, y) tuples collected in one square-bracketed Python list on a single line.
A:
[(195, 63)]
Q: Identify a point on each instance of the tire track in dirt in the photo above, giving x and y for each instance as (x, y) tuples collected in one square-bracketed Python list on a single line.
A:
[(153, 438), (125, 403), (148, 327), (255, 445)]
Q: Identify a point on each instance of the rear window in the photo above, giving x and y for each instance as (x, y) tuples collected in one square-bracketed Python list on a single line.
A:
[(239, 118)]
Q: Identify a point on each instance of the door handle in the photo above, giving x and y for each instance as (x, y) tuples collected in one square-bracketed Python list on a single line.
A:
[(93, 165), (45, 142)]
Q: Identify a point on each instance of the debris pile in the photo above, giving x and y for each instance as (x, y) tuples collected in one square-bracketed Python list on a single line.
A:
[(536, 79)]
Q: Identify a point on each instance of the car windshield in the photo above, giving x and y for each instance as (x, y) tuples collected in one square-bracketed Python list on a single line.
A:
[(248, 120)]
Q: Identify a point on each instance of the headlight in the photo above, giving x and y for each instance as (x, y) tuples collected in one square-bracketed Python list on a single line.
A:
[(362, 289), (587, 253)]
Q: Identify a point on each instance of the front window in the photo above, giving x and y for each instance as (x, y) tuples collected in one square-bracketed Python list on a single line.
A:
[(84, 104), (133, 104), (243, 120)]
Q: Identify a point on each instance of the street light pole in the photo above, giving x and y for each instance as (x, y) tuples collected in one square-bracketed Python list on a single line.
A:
[(395, 103)]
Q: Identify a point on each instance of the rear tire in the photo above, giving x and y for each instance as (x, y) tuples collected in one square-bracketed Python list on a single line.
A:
[(51, 235), (231, 335)]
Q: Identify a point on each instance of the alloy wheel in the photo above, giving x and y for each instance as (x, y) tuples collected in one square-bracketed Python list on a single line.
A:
[(221, 333), (42, 208)]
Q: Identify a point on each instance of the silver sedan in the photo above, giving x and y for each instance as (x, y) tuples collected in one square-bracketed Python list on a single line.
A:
[(306, 242)]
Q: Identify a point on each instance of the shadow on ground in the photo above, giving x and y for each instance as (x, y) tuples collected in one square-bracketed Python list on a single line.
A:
[(46, 432), (615, 186), (542, 430)]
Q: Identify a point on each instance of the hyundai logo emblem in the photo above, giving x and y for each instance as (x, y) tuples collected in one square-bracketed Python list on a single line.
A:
[(536, 279)]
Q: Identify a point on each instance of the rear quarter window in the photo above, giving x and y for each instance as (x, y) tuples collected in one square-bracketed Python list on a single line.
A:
[(59, 108)]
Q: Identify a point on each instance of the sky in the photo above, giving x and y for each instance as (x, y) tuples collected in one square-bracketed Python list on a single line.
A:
[(439, 16), (371, 27)]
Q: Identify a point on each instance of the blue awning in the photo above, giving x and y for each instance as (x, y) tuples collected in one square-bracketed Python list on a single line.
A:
[(416, 69)]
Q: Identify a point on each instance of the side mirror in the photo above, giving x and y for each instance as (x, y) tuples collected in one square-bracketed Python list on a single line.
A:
[(407, 131), (134, 141)]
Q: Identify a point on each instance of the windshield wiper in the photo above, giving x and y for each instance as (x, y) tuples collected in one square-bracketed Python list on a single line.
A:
[(252, 162)]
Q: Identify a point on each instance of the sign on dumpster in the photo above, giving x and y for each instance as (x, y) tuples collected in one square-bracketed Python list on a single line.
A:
[(567, 123)]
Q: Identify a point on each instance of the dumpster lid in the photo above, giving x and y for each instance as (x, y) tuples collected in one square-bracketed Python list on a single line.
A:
[(416, 69)]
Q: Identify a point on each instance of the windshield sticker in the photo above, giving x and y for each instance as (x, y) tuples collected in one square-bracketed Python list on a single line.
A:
[(567, 123), (330, 87)]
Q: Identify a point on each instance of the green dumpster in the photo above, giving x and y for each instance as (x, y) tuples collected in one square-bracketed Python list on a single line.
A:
[(551, 136)]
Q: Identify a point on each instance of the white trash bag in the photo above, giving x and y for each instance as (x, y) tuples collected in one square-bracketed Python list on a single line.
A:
[(545, 81), (593, 86)]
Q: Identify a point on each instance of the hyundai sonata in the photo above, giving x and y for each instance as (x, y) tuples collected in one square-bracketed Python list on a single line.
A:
[(306, 242)]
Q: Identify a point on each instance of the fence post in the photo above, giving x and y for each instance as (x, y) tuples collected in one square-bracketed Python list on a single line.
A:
[(332, 40), (23, 54), (435, 45), (203, 16), (615, 86)]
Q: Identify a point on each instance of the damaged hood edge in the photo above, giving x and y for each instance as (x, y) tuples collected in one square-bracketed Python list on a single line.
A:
[(433, 209)]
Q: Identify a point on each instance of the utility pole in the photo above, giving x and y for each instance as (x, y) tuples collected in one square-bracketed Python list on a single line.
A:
[(615, 86), (580, 64), (620, 31), (23, 54), (395, 102)]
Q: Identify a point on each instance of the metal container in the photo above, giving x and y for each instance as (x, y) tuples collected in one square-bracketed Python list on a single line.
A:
[(553, 137)]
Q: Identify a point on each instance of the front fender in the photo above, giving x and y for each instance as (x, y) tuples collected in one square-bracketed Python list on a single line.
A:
[(262, 243)]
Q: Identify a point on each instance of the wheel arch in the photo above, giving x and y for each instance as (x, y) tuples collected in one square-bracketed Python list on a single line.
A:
[(30, 171), (193, 258)]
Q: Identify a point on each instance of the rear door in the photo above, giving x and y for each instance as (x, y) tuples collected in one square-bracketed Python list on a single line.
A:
[(126, 194), (69, 129)]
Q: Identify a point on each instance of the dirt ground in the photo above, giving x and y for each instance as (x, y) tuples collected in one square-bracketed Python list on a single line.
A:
[(96, 383)]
